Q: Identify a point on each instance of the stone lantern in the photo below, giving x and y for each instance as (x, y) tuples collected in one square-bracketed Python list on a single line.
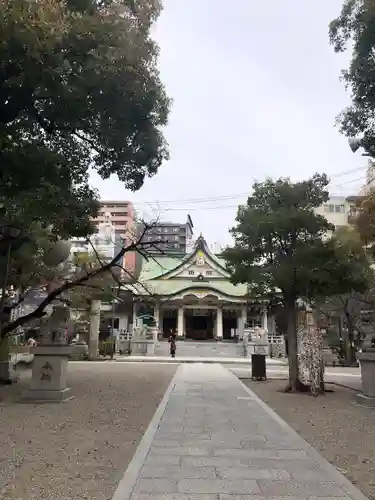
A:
[(366, 359), (50, 365), (54, 253)]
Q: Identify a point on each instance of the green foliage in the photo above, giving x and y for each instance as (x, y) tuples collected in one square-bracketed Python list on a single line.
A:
[(365, 222), (354, 28), (79, 89), (281, 248), (27, 268), (277, 233), (349, 300), (98, 288), (349, 266)]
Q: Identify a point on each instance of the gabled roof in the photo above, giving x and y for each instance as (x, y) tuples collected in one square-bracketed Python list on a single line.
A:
[(200, 247), (162, 275)]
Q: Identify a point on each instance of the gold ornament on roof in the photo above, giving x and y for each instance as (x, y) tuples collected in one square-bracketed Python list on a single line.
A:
[(200, 259)]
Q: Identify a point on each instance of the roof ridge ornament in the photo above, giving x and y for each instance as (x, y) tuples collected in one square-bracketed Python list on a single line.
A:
[(201, 242)]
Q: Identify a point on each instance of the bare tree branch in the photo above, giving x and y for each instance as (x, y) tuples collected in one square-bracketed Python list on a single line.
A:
[(138, 245)]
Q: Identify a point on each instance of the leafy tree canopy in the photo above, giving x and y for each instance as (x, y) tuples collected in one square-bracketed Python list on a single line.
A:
[(277, 233), (354, 28), (281, 247), (79, 90), (365, 222)]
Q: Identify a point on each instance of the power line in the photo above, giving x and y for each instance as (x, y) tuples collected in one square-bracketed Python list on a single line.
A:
[(220, 207), (235, 195)]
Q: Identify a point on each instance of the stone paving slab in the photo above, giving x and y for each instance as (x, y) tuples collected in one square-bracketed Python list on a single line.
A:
[(213, 439)]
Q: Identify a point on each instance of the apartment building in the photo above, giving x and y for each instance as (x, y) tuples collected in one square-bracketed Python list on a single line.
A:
[(336, 211), (122, 216), (105, 241), (175, 238)]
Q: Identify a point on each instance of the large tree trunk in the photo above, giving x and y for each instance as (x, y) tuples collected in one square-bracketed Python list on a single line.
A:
[(94, 329), (294, 384)]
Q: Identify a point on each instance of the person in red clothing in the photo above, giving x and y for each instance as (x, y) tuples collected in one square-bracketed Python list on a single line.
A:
[(172, 342)]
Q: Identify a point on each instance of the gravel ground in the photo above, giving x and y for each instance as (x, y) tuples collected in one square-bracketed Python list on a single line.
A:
[(341, 431), (81, 448)]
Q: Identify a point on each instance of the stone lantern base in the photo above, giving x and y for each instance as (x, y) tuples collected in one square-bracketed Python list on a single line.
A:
[(49, 375), (367, 362)]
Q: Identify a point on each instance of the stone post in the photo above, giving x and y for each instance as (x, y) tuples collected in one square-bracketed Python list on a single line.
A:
[(180, 322), (219, 324), (243, 321), (94, 329), (157, 315), (265, 320), (135, 312)]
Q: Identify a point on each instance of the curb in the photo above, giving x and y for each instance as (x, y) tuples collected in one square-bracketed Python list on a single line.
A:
[(126, 485), (349, 489), (339, 384)]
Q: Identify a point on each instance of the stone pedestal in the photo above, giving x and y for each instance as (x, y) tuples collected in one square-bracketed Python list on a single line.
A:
[(49, 375), (7, 372), (143, 347), (367, 362)]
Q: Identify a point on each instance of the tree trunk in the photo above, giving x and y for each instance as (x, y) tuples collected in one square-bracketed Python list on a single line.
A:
[(350, 349), (294, 384), (94, 329)]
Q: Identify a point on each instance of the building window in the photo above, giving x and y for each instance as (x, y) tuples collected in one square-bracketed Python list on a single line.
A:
[(329, 208), (191, 273), (339, 209), (208, 273)]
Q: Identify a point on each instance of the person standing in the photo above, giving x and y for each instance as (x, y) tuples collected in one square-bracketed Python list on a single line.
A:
[(172, 342)]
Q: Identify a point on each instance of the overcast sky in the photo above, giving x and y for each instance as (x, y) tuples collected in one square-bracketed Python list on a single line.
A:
[(256, 90)]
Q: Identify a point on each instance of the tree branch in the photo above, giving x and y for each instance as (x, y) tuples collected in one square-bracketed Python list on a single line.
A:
[(39, 312)]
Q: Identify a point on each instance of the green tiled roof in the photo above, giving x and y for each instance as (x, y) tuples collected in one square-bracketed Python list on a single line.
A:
[(149, 280), (155, 267)]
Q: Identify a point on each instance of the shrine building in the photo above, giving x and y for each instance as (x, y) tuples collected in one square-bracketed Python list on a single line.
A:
[(193, 296)]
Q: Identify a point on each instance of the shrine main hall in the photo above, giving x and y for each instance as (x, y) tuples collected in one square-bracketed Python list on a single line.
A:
[(194, 297)]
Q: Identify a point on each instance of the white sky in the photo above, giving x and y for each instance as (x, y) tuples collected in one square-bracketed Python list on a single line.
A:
[(256, 91)]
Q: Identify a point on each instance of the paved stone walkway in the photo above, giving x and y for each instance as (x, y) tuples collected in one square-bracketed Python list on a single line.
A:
[(213, 439), (203, 349)]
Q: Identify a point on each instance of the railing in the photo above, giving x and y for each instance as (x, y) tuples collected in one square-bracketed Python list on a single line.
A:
[(276, 341)]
